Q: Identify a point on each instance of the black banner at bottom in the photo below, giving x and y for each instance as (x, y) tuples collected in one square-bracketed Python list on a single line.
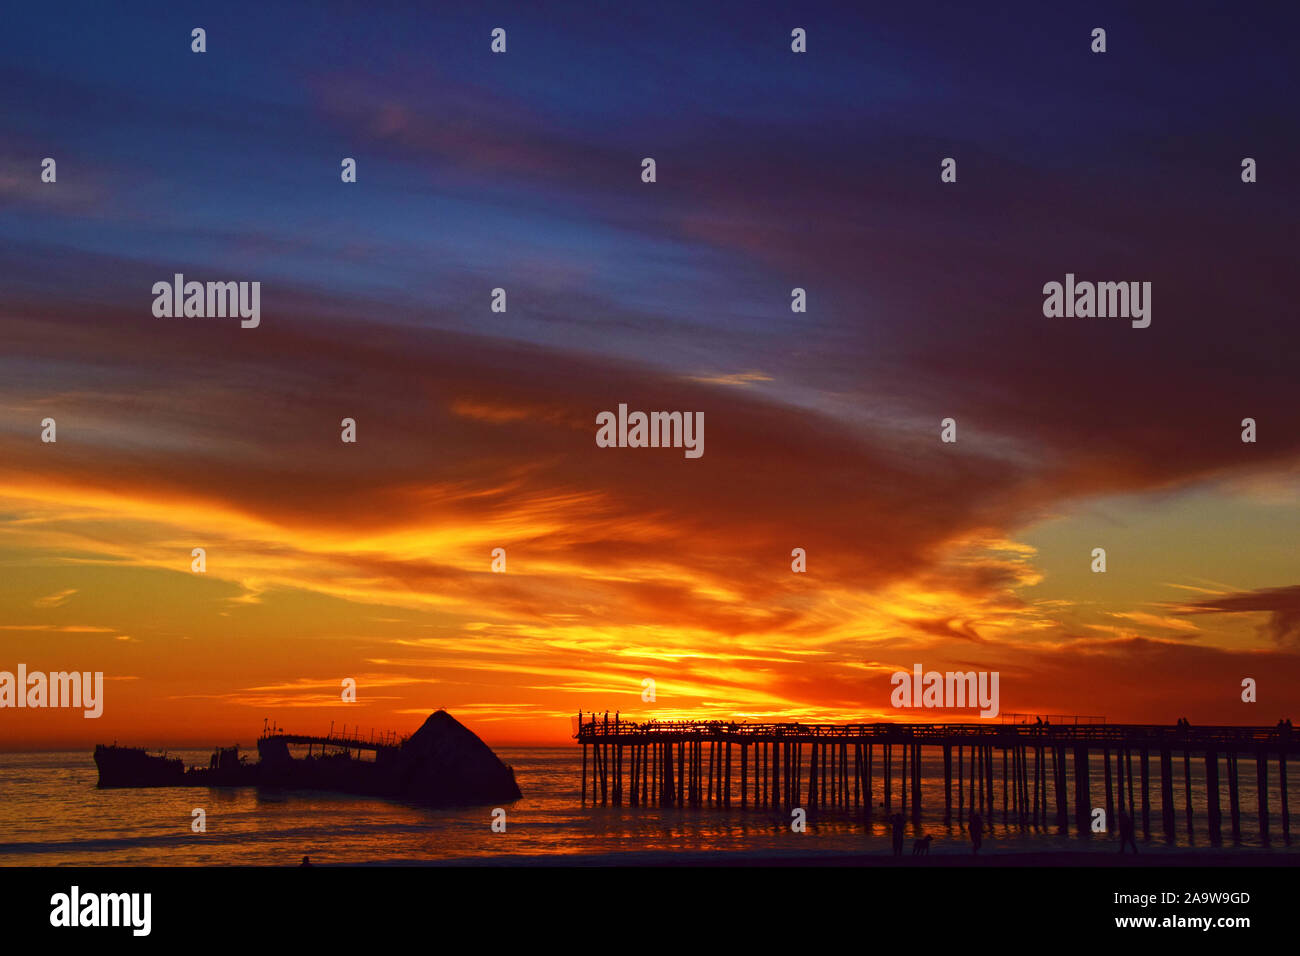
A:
[(614, 906)]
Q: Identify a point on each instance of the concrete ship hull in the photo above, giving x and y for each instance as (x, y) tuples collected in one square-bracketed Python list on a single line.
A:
[(442, 764)]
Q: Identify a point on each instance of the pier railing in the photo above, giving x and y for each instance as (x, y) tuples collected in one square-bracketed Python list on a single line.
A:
[(1220, 738)]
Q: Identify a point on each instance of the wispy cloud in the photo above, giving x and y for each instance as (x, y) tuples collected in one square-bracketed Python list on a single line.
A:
[(55, 600)]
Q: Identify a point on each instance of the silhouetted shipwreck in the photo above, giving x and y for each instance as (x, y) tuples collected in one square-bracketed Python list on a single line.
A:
[(443, 763)]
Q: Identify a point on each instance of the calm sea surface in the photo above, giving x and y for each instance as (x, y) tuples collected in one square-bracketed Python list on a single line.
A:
[(52, 814)]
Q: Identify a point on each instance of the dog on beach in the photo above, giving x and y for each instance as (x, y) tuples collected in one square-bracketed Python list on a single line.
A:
[(921, 847)]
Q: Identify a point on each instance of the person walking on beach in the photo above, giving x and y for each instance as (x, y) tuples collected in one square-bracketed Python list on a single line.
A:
[(896, 821), (1126, 830), (976, 831)]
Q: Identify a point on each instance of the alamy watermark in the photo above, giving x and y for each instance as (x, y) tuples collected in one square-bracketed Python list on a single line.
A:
[(75, 908), (951, 689), (211, 300), (57, 689), (1102, 300), (653, 430)]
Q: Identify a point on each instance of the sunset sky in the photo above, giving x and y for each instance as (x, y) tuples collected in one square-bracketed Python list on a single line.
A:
[(476, 429)]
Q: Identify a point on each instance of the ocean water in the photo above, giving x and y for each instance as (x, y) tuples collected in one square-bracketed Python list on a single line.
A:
[(52, 814)]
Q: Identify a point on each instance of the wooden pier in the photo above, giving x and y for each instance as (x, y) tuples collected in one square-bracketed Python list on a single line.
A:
[(1046, 768)]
